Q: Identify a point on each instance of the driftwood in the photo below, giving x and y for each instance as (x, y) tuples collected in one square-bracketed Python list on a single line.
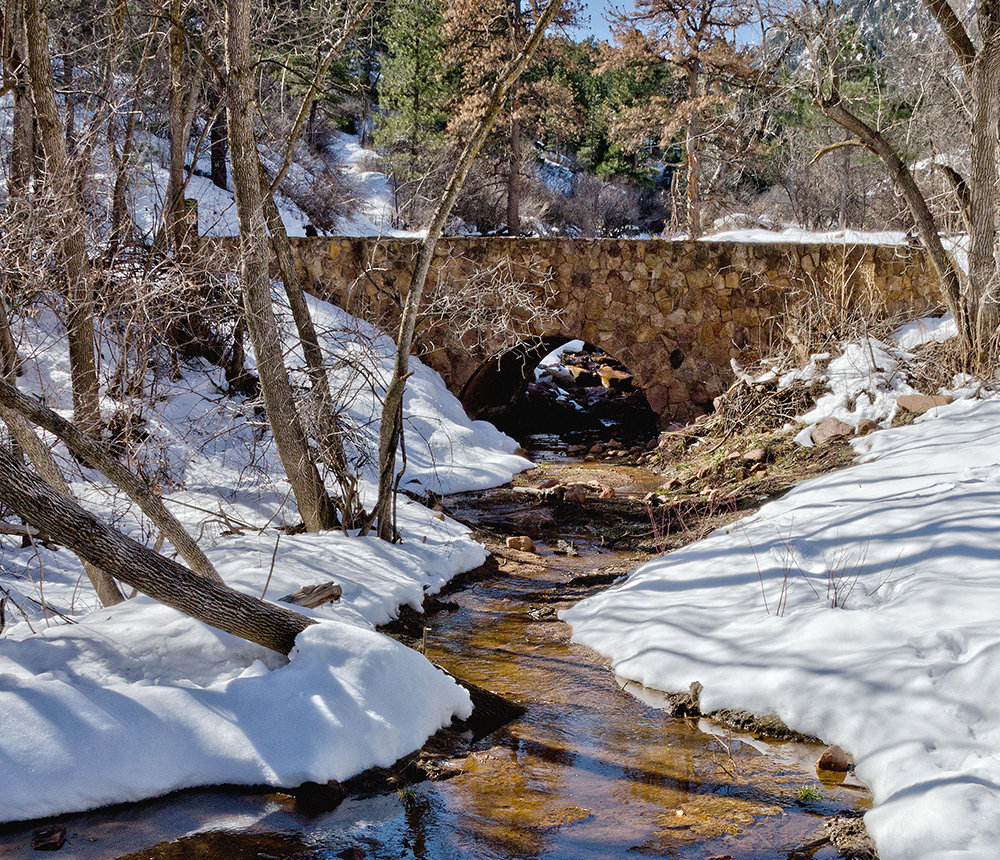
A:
[(312, 596)]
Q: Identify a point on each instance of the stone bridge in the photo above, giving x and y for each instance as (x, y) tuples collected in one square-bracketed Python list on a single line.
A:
[(674, 313)]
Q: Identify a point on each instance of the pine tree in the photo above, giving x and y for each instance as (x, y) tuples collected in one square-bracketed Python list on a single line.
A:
[(412, 95)]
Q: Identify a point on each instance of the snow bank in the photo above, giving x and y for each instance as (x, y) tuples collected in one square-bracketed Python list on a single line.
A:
[(861, 607), (138, 700)]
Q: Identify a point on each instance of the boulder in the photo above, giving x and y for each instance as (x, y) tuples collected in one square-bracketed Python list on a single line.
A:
[(522, 543), (835, 759), (830, 428), (918, 404), (576, 494)]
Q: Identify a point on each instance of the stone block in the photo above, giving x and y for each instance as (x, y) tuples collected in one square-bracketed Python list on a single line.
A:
[(699, 280)]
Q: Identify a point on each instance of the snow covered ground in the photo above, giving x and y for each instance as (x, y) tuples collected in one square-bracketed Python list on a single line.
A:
[(138, 700), (861, 607)]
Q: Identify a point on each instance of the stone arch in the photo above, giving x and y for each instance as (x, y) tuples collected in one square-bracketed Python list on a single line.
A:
[(500, 380), (495, 390)]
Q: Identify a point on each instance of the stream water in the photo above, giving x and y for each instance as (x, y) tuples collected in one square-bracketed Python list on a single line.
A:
[(593, 770)]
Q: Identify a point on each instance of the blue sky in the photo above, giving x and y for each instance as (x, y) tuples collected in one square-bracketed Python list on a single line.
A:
[(596, 10)]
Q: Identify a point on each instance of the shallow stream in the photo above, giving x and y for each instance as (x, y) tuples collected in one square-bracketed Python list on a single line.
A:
[(591, 771)]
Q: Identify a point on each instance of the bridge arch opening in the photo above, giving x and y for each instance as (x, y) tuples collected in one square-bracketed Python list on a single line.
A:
[(554, 393)]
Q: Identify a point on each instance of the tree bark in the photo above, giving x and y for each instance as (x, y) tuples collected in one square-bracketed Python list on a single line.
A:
[(73, 245), (981, 302), (217, 147), (391, 427), (329, 433), (98, 457), (293, 449), (693, 146), (16, 79), (136, 565)]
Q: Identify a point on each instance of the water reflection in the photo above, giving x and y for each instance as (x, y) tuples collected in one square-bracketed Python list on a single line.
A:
[(590, 772)]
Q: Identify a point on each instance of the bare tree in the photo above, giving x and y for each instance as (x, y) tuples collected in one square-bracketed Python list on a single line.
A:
[(391, 427), (972, 298), (61, 183), (310, 494)]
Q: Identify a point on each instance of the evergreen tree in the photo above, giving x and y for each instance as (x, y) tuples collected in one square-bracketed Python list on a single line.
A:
[(412, 95)]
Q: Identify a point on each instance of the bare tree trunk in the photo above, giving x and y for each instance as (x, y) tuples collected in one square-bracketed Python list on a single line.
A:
[(41, 457), (293, 449), (185, 81), (911, 193), (73, 245), (329, 433), (98, 457), (514, 175), (134, 564), (218, 145), (122, 159), (16, 79), (693, 145), (984, 283), (391, 427)]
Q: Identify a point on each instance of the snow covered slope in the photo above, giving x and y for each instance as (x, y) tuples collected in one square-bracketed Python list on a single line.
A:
[(138, 700), (861, 607)]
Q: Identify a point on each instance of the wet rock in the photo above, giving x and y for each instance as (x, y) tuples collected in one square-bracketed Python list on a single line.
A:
[(834, 758), (352, 853), (846, 831), (313, 798), (766, 726), (564, 547), (612, 378), (686, 704), (576, 450), (918, 404), (548, 483), (831, 428), (49, 838), (606, 493), (596, 449), (576, 494), (522, 543)]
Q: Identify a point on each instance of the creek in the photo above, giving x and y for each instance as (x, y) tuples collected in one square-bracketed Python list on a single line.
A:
[(594, 769)]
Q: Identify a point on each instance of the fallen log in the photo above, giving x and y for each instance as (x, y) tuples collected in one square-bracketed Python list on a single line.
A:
[(163, 579)]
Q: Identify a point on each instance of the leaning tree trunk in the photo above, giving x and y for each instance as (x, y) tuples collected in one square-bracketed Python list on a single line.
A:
[(134, 564), (391, 427), (293, 449), (98, 457), (329, 431), (903, 179)]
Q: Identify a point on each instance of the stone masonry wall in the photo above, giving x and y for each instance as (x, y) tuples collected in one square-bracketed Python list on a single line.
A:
[(674, 312)]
